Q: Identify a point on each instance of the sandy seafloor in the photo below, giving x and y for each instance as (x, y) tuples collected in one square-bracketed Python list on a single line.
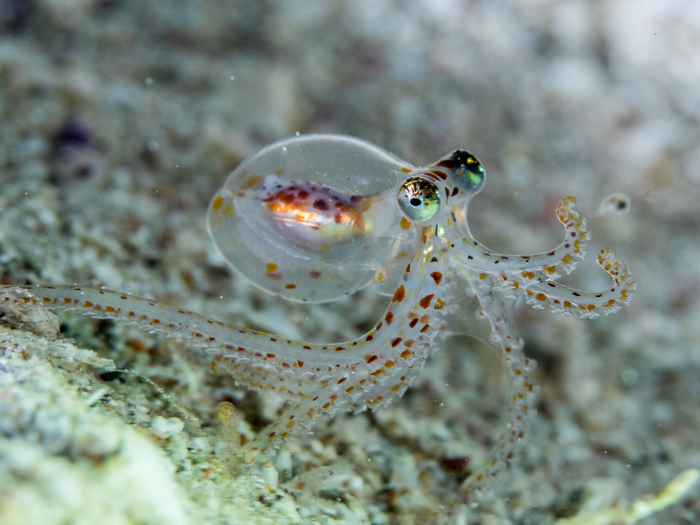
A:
[(120, 118)]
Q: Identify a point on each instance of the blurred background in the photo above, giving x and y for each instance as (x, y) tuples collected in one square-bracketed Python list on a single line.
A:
[(121, 118)]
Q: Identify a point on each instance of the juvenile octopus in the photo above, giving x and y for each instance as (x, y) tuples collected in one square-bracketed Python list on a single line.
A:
[(317, 217)]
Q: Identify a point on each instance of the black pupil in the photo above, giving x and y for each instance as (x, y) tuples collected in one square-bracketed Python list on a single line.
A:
[(415, 201)]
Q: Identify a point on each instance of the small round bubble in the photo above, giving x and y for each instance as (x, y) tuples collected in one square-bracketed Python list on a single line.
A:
[(614, 204)]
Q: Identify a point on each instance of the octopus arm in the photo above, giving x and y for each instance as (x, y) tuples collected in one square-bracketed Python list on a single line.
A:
[(274, 353), (498, 308), (256, 376), (476, 256), (566, 300)]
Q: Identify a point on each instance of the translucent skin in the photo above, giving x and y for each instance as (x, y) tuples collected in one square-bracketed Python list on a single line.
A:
[(433, 264), (316, 215)]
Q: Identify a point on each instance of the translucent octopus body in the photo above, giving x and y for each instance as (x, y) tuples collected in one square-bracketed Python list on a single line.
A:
[(316, 217)]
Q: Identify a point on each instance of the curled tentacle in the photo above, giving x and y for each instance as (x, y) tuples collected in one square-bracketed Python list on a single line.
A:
[(566, 300), (475, 255)]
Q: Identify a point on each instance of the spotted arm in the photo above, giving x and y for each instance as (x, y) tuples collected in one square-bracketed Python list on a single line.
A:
[(539, 292), (475, 255), (498, 309), (318, 378)]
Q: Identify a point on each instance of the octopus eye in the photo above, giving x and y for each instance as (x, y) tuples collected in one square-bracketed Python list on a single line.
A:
[(468, 167), (419, 199)]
